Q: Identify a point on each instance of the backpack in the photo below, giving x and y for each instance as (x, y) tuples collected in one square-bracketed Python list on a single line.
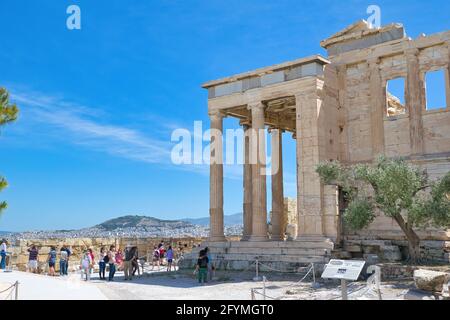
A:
[(106, 259)]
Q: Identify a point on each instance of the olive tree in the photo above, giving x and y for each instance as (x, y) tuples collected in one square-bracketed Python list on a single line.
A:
[(400, 191), (8, 113)]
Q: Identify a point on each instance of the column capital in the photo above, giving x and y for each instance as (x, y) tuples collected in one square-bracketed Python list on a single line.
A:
[(216, 114), (272, 128), (255, 105), (412, 52)]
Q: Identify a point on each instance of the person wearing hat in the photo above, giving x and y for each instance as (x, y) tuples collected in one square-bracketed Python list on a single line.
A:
[(3, 253)]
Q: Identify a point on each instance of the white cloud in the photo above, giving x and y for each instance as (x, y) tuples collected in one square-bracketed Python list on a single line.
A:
[(84, 126)]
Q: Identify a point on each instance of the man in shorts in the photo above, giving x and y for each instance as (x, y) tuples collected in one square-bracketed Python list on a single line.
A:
[(33, 259)]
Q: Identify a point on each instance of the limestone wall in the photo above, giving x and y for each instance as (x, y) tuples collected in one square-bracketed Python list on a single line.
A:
[(356, 85), (19, 257)]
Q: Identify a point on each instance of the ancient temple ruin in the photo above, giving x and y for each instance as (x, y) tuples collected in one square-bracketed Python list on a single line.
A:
[(337, 108)]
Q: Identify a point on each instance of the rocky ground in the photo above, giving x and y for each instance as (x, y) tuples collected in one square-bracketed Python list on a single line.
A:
[(238, 286)]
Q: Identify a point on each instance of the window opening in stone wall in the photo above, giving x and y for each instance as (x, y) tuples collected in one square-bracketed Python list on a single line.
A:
[(395, 96), (435, 90)]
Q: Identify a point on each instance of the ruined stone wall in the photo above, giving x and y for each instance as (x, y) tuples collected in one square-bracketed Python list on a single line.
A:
[(358, 91), (19, 258)]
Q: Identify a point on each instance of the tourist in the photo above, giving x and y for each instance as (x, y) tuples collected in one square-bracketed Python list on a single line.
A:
[(51, 259), (127, 264), (33, 259), (119, 259), (211, 267), (63, 261), (169, 259), (155, 260), (69, 253), (91, 254), (111, 257), (202, 267), (86, 265), (3, 253), (162, 251), (135, 262), (102, 263)]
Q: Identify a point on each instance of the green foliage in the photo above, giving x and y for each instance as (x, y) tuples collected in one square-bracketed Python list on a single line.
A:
[(3, 185), (359, 214), (8, 112), (398, 190), (329, 171), (434, 209)]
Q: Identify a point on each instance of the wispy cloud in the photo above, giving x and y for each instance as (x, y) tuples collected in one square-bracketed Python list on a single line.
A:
[(83, 125), (88, 127)]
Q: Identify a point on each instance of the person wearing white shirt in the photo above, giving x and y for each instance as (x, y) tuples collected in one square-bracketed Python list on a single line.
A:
[(3, 254)]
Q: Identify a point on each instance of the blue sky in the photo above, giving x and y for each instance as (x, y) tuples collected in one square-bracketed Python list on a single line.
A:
[(98, 105)]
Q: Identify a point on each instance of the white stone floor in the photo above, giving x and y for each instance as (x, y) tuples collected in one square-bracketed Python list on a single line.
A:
[(161, 286), (42, 287)]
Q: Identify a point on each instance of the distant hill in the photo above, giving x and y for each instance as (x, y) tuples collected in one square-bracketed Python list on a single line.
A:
[(140, 222), (230, 220)]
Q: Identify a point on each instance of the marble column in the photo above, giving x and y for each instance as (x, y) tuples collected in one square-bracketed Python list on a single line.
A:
[(278, 218), (216, 179), (258, 152), (247, 177), (309, 186)]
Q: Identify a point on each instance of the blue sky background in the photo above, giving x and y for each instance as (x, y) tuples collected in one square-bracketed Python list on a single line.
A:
[(98, 105)]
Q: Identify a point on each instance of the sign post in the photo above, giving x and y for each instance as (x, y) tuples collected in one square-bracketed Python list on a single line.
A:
[(343, 270), (344, 289)]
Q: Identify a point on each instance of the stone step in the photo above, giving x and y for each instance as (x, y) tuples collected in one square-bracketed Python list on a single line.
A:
[(270, 251), (270, 244), (271, 258)]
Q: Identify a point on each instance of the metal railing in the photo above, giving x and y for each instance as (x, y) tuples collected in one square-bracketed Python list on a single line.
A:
[(13, 292)]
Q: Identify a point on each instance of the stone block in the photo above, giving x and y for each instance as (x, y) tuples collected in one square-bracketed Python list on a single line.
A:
[(390, 253), (431, 281)]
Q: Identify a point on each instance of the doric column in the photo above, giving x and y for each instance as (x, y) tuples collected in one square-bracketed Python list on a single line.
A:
[(216, 232), (415, 93), (278, 219), (247, 185), (258, 153)]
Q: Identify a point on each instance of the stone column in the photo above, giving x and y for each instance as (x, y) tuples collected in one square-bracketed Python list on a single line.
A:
[(415, 101), (309, 186), (216, 232), (447, 77), (278, 214), (258, 153), (377, 107), (247, 177)]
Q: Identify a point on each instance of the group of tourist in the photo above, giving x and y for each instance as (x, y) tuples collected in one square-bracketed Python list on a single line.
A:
[(111, 259), (160, 255), (64, 254)]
